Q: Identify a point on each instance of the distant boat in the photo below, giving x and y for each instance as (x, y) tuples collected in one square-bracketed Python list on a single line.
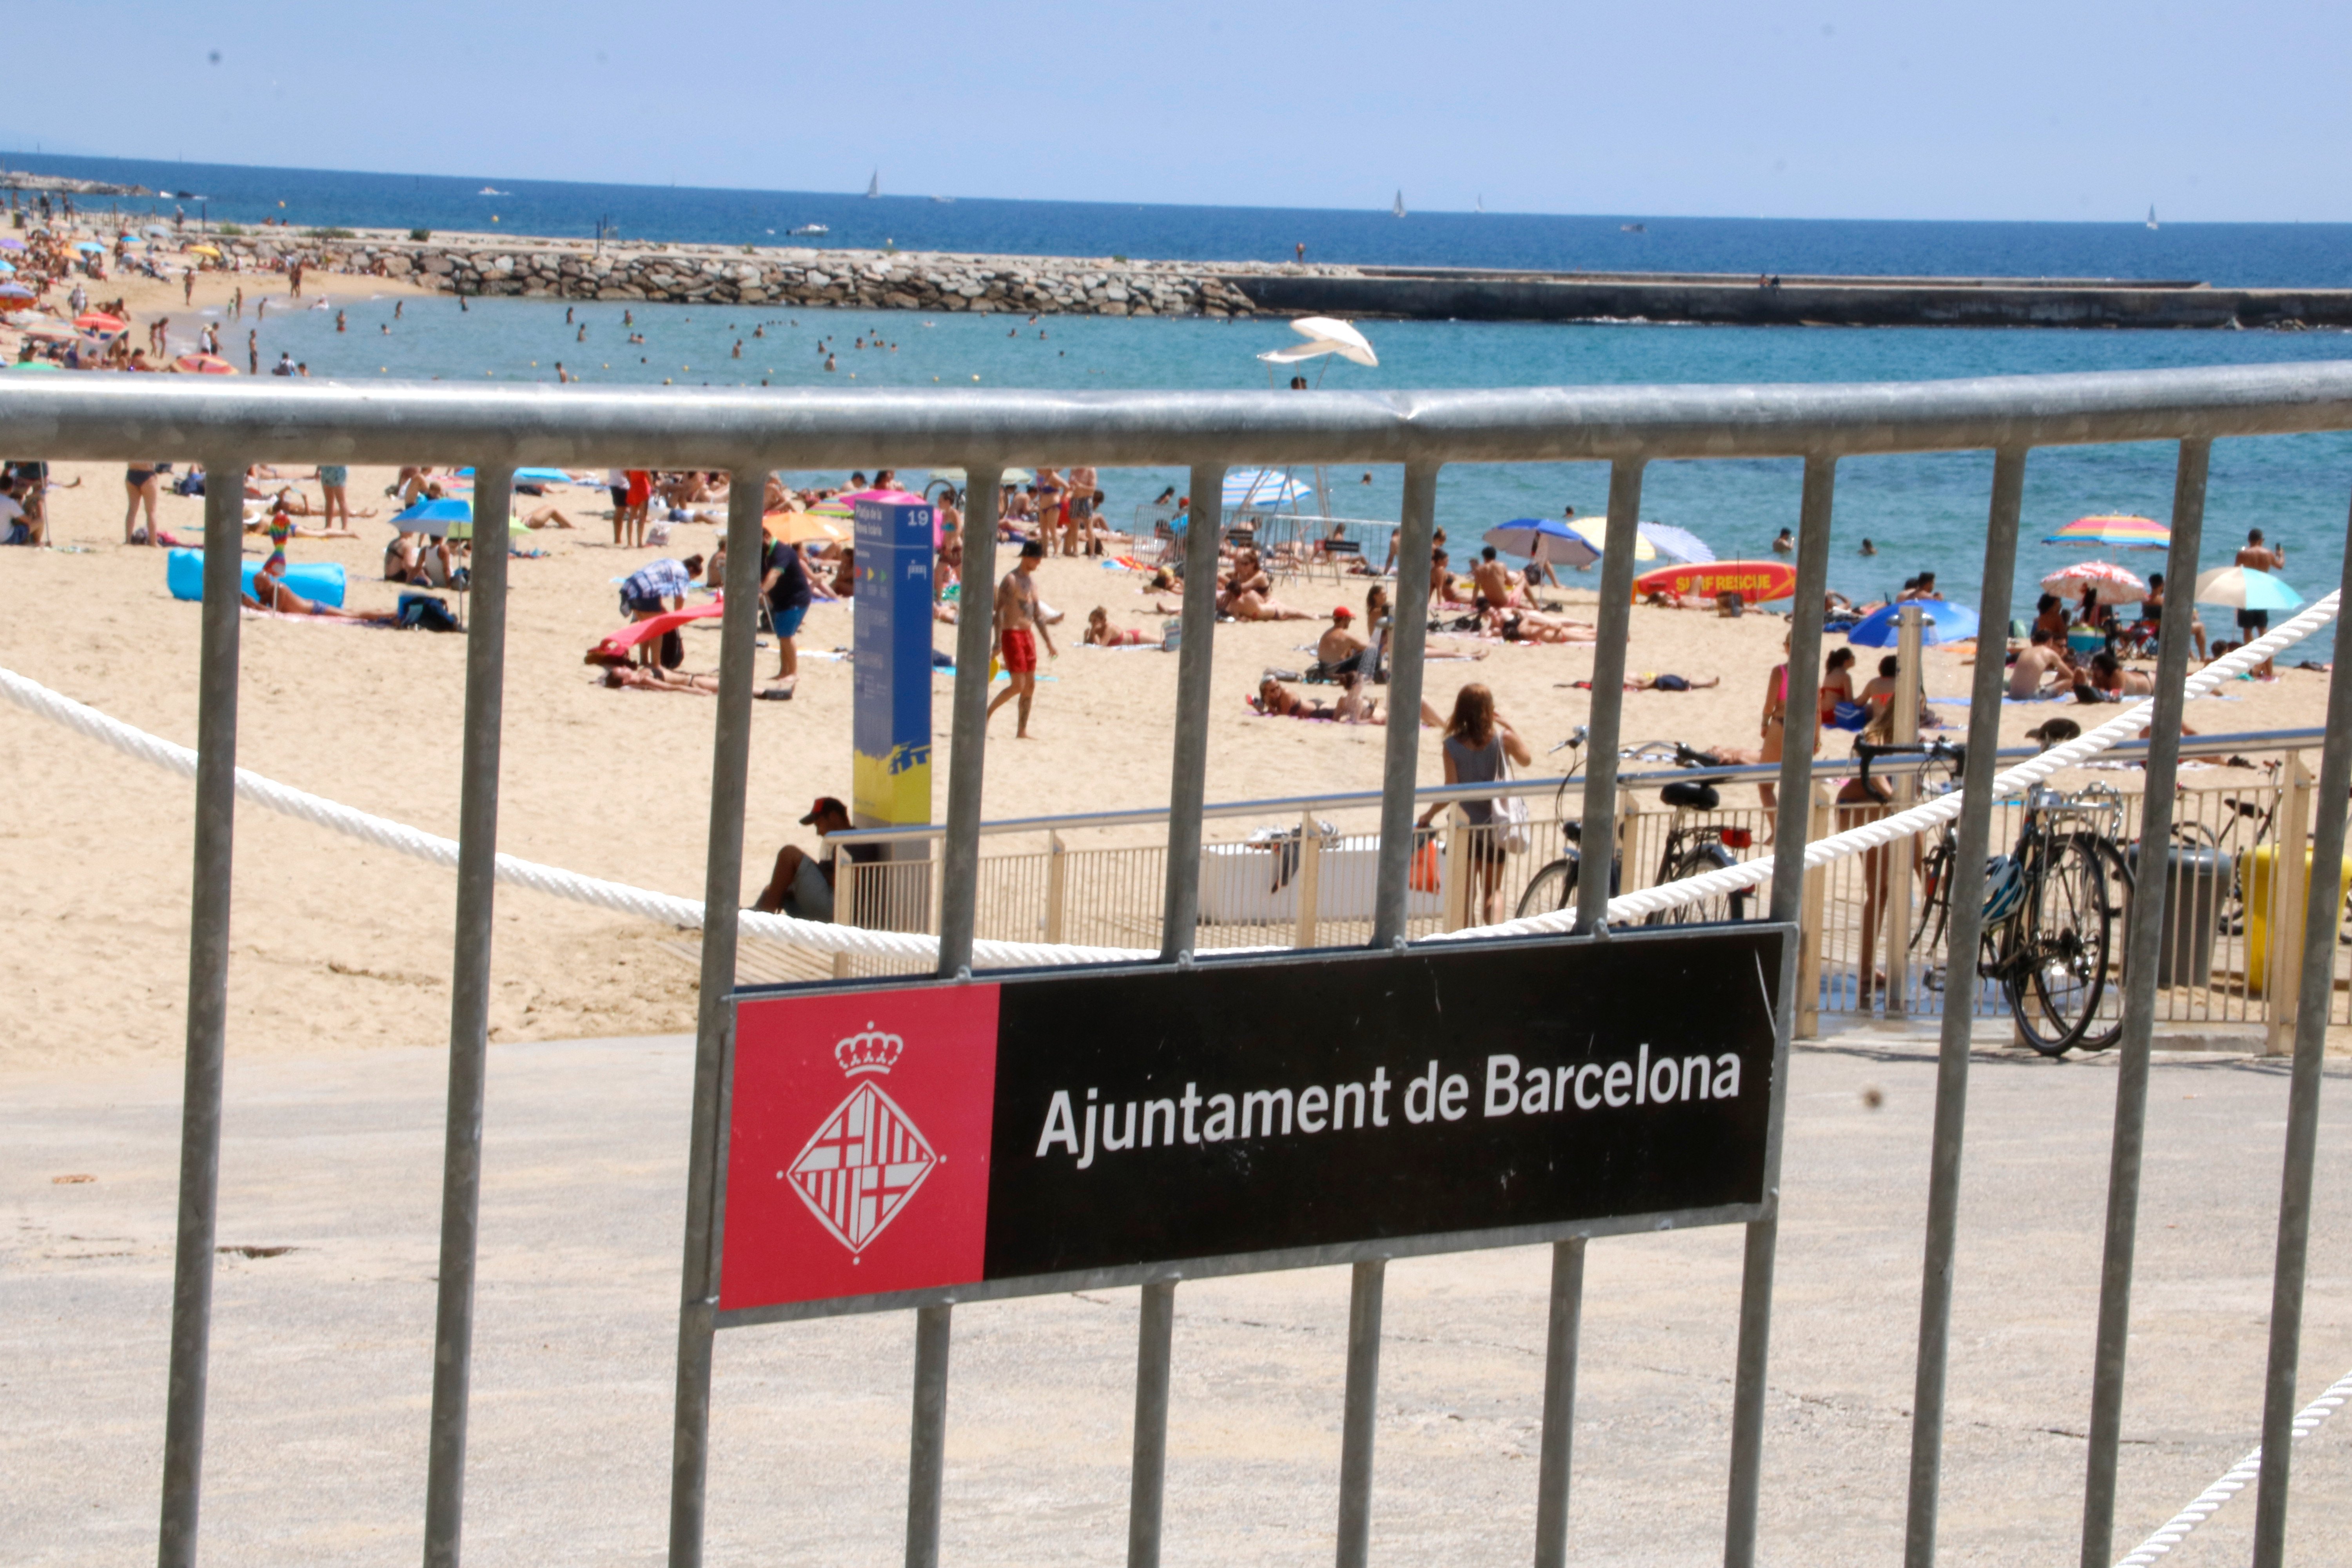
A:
[(1478, 205), (492, 191), (874, 185), (1398, 209), (2151, 214), (811, 228), (1632, 228), (942, 198)]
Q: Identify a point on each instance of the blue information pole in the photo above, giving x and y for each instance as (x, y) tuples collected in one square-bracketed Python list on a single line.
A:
[(892, 728)]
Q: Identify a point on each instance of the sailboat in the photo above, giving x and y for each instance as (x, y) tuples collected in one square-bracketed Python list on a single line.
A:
[(1479, 205), (874, 185), (2151, 214), (1398, 210)]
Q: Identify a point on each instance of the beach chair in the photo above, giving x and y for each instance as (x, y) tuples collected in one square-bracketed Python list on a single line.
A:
[(1341, 555)]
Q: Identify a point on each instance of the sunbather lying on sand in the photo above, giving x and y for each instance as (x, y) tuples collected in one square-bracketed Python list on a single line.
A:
[(1250, 604), (1277, 700), (1534, 626), (1100, 633), (270, 593)]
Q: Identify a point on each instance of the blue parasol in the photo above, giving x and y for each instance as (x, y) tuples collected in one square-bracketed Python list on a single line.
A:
[(1943, 623)]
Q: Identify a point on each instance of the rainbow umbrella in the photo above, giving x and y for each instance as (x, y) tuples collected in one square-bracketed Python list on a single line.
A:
[(2114, 533), (205, 364)]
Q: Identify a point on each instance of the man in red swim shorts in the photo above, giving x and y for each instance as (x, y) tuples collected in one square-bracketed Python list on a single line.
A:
[(1018, 627)]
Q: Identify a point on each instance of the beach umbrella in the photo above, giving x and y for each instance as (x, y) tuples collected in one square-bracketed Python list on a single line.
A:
[(35, 364), (441, 519), (211, 250), (1328, 335), (1263, 487), (958, 478), (89, 244), (8, 270), (803, 528), (1545, 539), (532, 476), (2118, 533), (99, 321), (11, 243), (894, 497), (2246, 589), (1943, 623), (16, 291), (1678, 543), (204, 364), (2115, 585), (1595, 532), (835, 508)]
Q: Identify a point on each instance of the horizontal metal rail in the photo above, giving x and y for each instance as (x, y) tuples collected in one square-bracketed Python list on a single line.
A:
[(118, 417), (1298, 804)]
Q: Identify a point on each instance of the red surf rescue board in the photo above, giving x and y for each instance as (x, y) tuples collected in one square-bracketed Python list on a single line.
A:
[(1756, 581)]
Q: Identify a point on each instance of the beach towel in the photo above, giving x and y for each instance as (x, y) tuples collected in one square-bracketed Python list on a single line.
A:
[(628, 636)]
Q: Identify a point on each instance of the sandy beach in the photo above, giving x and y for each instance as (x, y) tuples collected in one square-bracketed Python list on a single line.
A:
[(337, 944)]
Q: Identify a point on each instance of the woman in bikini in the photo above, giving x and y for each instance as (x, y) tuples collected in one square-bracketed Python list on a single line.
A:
[(270, 593), (1100, 634)]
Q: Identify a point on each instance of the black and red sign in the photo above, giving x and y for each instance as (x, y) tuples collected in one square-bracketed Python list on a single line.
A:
[(916, 1138)]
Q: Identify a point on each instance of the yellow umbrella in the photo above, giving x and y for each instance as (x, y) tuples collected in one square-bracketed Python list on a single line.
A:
[(204, 250), (801, 528), (1594, 530)]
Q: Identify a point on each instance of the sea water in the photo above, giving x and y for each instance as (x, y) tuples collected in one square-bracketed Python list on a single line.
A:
[(1922, 512), (2236, 254)]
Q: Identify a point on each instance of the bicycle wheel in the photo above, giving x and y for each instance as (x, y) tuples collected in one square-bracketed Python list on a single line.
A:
[(2106, 1025), (2054, 954), (1550, 890), (1697, 860)]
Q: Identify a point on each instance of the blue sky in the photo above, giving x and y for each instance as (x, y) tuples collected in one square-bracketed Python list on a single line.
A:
[(1996, 109)]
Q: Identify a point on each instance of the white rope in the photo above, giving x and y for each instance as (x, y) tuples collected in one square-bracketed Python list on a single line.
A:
[(826, 937), (1630, 909), (553, 880), (2234, 1479)]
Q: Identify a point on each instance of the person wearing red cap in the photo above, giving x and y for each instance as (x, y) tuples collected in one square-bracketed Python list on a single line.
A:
[(803, 885), (1339, 644)]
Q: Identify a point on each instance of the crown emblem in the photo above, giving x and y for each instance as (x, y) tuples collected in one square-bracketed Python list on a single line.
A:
[(873, 1051)]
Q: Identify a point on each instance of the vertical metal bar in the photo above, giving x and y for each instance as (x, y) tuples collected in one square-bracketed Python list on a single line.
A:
[(927, 1461), (1966, 925), (1362, 1418), (1187, 784), (722, 893), (959, 907), (2322, 909), (2282, 981), (1601, 728), (200, 1097), (1408, 643), (1791, 818), (1559, 1402), (967, 722), (1147, 1486), (470, 1019), (2144, 930)]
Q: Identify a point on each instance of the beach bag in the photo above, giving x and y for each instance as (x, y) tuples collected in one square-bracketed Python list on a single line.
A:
[(1510, 824), (422, 612), (672, 650), (1425, 867)]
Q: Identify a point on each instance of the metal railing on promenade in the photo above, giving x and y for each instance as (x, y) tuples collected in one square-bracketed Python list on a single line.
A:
[(750, 432)]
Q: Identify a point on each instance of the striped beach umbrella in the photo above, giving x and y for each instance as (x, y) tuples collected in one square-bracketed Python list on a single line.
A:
[(2115, 585), (2115, 533)]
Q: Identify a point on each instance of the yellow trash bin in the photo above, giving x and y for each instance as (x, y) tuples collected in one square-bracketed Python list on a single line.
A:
[(2262, 867)]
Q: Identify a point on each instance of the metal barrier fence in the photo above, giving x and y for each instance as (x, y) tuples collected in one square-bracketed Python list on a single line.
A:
[(750, 432), (1295, 878)]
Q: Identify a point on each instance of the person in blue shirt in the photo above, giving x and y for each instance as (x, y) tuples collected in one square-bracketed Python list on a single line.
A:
[(786, 582)]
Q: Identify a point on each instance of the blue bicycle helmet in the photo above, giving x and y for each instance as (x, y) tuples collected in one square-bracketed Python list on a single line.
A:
[(2004, 891)]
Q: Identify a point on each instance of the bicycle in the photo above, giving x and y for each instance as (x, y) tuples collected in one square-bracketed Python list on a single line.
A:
[(2050, 908), (1690, 849)]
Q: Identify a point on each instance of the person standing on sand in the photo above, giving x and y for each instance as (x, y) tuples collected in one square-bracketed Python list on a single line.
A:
[(1018, 627), (786, 582)]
